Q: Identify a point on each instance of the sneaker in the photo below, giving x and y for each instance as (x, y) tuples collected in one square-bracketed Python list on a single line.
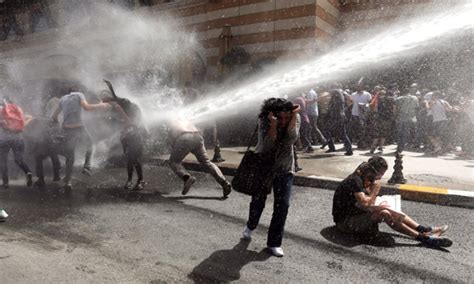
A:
[(29, 179), (3, 215), (39, 183), (277, 251), (323, 145), (5, 185), (330, 151), (227, 189), (438, 231), (247, 233), (128, 185), (434, 242), (187, 185), (139, 186), (86, 172), (298, 169), (348, 153), (56, 178)]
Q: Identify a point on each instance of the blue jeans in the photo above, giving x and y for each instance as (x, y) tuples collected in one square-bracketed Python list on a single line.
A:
[(403, 133), (18, 148), (282, 193)]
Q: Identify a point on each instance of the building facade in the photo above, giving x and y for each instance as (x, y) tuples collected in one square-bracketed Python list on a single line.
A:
[(264, 29)]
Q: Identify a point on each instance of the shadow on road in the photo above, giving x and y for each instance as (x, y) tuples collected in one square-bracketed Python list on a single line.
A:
[(333, 235), (225, 265)]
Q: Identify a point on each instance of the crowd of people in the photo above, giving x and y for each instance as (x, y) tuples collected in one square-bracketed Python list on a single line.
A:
[(423, 120), (367, 119)]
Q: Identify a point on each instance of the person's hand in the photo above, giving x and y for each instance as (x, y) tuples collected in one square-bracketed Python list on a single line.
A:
[(375, 187), (296, 109), (271, 117)]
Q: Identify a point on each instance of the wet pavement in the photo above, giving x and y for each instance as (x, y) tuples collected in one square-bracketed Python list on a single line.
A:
[(102, 233)]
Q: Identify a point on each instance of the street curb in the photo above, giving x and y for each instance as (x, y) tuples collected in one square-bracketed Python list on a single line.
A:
[(434, 195)]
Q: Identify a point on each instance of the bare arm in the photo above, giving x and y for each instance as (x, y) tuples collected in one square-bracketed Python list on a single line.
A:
[(89, 107), (56, 114), (365, 201), (28, 119), (272, 131), (294, 116)]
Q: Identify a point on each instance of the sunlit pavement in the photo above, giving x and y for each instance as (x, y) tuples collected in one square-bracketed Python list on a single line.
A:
[(103, 233)]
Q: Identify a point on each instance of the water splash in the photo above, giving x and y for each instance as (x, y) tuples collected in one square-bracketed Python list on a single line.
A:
[(402, 40)]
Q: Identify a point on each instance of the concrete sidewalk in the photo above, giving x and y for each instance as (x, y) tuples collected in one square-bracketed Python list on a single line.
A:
[(445, 179)]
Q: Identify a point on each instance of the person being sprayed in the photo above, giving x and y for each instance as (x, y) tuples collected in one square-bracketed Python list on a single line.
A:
[(355, 211), (12, 123), (71, 105), (132, 136), (185, 139)]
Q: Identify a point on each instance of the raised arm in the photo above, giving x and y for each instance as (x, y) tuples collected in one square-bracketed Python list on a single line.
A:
[(364, 201), (89, 107)]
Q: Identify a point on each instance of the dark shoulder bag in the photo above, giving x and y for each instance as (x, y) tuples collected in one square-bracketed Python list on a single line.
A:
[(256, 172)]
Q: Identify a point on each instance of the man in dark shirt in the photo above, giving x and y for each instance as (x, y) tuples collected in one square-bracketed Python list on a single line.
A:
[(354, 210), (132, 136)]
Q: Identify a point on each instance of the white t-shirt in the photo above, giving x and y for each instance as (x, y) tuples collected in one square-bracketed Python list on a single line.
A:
[(363, 98), (438, 109), (312, 109), (428, 99)]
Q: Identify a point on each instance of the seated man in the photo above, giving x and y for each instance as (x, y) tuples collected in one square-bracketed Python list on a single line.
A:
[(354, 209)]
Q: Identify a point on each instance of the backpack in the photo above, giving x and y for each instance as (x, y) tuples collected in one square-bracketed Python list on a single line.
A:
[(13, 119)]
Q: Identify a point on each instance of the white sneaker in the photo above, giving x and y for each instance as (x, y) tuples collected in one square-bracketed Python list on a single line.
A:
[(277, 251), (3, 215), (247, 233)]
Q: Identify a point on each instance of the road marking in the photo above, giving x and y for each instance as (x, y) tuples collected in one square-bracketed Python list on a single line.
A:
[(436, 190)]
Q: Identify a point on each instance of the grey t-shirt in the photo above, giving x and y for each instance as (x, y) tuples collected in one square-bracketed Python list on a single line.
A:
[(70, 105), (284, 155)]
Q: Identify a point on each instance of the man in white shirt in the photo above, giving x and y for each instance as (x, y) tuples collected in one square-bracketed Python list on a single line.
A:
[(311, 100), (359, 99)]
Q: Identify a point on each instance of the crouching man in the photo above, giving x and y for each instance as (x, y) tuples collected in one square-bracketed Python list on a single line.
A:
[(355, 213)]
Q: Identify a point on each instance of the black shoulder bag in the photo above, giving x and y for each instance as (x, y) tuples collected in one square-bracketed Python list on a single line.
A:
[(256, 172)]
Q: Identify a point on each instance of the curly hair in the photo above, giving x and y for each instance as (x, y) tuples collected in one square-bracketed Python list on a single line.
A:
[(374, 165), (274, 105)]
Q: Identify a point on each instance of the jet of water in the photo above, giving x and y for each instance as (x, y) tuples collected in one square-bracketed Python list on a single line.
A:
[(402, 40)]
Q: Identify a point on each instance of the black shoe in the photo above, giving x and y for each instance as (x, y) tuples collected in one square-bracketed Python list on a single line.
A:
[(87, 172), (323, 145), (297, 169), (348, 153), (68, 187), (56, 178), (139, 186), (330, 151), (437, 242), (187, 185), (308, 150), (39, 183), (5, 185), (227, 189), (128, 185), (29, 179)]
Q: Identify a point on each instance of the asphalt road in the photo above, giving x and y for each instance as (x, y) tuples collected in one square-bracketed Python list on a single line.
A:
[(102, 233)]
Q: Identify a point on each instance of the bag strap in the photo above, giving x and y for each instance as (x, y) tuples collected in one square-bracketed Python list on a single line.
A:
[(251, 138)]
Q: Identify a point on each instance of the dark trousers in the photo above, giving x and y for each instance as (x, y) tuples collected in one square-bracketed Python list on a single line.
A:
[(338, 130), (132, 143), (281, 192), (305, 134), (54, 161), (74, 136), (18, 148)]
